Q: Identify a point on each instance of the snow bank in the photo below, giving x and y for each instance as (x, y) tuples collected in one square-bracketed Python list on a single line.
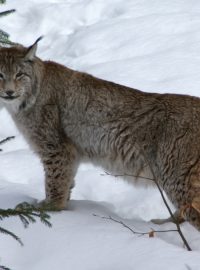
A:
[(148, 44)]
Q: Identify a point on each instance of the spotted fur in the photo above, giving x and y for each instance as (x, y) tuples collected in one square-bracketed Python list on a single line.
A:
[(69, 117)]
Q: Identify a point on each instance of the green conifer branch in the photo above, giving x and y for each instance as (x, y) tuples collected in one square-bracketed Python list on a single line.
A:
[(2, 230), (4, 37), (27, 214), (4, 268), (7, 12)]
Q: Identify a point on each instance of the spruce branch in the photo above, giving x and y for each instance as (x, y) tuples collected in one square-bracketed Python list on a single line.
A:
[(7, 12), (27, 214), (4, 268), (4, 36), (2, 230), (30, 212)]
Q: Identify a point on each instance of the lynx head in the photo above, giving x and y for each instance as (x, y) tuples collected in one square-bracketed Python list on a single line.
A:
[(19, 74)]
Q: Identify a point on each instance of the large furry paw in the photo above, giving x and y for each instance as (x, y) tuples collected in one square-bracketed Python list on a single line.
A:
[(41, 206), (49, 206)]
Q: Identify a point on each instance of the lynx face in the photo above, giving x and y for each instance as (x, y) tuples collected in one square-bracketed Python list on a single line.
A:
[(15, 76), (18, 76)]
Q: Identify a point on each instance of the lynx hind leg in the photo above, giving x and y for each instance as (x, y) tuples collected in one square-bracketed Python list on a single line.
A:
[(177, 219), (191, 213)]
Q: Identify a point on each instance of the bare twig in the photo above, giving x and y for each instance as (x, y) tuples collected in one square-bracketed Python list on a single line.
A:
[(127, 175), (173, 218), (167, 205), (164, 200), (130, 229)]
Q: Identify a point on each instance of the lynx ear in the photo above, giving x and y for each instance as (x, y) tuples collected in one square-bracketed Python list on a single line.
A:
[(31, 51)]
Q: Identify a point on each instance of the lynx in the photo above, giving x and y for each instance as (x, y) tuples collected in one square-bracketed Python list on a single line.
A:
[(70, 117)]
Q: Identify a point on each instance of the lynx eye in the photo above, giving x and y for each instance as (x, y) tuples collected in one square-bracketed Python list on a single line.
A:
[(19, 75)]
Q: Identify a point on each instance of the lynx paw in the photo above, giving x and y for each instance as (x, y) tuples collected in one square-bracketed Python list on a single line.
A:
[(41, 206), (49, 206)]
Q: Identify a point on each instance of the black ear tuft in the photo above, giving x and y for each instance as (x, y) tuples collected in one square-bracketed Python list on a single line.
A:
[(31, 51)]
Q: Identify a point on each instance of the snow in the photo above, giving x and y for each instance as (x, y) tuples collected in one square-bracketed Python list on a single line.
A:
[(146, 44)]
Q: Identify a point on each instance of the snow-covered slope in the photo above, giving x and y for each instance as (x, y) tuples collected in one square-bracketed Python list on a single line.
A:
[(147, 44)]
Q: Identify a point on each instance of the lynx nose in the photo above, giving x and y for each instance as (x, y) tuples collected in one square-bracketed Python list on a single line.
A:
[(9, 93)]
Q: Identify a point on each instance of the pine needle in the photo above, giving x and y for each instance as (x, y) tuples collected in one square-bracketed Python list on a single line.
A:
[(2, 230), (4, 268), (7, 12)]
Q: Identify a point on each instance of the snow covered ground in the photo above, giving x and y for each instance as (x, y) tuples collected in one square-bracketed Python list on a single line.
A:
[(151, 45)]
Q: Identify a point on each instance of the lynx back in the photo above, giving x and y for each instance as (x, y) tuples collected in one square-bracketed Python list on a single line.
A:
[(69, 117)]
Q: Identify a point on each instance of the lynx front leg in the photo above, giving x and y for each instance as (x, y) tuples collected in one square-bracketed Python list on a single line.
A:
[(60, 164), (58, 155)]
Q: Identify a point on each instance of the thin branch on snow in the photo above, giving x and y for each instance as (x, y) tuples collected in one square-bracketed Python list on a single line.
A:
[(127, 175), (164, 200), (167, 205), (133, 231)]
